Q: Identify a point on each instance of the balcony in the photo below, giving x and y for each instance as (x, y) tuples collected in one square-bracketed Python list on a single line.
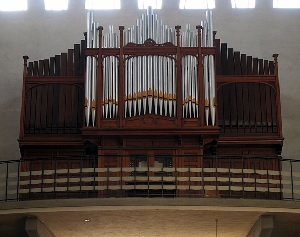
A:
[(187, 176)]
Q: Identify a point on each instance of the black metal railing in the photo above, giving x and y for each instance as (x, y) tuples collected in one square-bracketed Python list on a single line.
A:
[(150, 176)]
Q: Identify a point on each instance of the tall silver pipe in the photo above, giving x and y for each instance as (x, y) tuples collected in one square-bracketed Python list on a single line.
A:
[(116, 77), (211, 69), (205, 72), (94, 73), (90, 19)]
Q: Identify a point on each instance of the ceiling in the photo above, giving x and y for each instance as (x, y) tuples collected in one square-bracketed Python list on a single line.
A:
[(174, 218)]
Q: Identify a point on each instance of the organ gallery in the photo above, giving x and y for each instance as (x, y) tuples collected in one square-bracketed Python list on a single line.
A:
[(151, 110)]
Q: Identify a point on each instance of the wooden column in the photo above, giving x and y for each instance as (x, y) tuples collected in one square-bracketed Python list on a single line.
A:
[(279, 119), (22, 117)]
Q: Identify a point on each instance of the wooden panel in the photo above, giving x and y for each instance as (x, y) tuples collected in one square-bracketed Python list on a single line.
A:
[(257, 110), (237, 63), (35, 68), (76, 59), (33, 102), (218, 57), (261, 66), (233, 106), (75, 107), (52, 66), (269, 108), (224, 63), (46, 67), (41, 68), (252, 107), (226, 102), (62, 108), (246, 107), (266, 67), (271, 67), (63, 64), (57, 65), (82, 57), (263, 107), (240, 106), (220, 108), (249, 65), (68, 108), (230, 61), (255, 66), (49, 112), (30, 69), (55, 107), (274, 111), (244, 64), (27, 111), (70, 70), (43, 109)]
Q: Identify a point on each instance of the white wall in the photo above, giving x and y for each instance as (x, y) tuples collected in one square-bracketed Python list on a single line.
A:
[(40, 34)]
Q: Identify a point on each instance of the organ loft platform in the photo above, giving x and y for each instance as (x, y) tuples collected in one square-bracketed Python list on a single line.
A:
[(151, 110)]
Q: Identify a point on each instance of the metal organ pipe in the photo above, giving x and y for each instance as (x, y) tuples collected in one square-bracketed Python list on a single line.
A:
[(212, 97), (150, 80), (205, 72), (110, 76), (88, 75), (189, 76), (95, 44)]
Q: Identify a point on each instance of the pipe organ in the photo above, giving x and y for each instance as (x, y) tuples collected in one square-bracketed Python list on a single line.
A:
[(150, 96), (150, 79)]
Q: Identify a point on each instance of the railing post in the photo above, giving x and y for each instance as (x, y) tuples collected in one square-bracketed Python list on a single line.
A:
[(148, 175), (255, 190), (292, 180), (280, 177), (42, 184), (6, 182), (229, 164), (80, 177), (217, 176), (107, 176), (189, 171), (29, 195), (202, 174), (18, 181), (54, 183), (121, 175), (176, 177), (243, 185), (94, 183), (268, 179), (68, 177)]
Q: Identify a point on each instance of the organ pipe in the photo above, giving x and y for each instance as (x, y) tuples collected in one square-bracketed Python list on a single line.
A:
[(95, 44), (88, 76), (212, 98), (205, 72), (150, 81)]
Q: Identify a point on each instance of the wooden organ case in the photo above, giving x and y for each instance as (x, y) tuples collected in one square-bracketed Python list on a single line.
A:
[(148, 109)]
